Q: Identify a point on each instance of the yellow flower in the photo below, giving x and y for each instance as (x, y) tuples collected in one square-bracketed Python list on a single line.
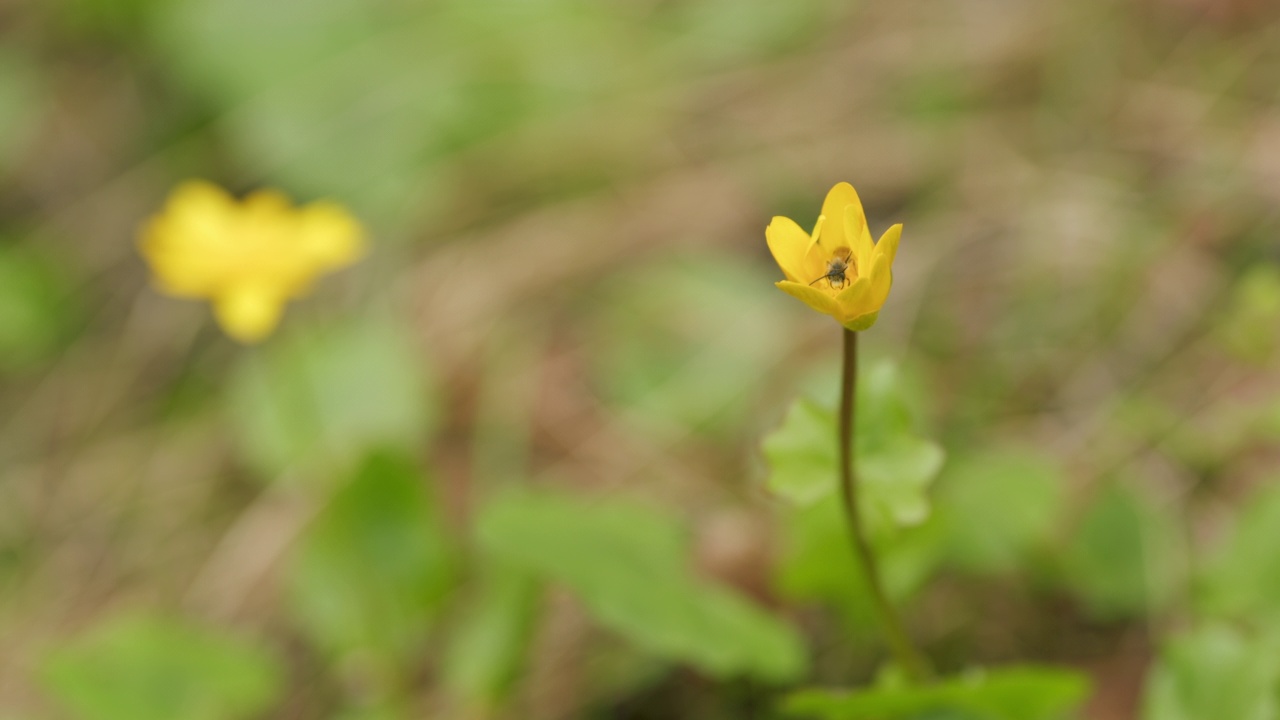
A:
[(837, 270), (249, 257)]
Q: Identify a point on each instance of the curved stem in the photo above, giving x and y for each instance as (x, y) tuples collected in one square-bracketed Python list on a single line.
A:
[(912, 662)]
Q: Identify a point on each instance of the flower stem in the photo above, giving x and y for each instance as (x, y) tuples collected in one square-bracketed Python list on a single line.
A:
[(912, 662)]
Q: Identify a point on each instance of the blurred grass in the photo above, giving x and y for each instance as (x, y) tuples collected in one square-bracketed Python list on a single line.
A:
[(570, 290)]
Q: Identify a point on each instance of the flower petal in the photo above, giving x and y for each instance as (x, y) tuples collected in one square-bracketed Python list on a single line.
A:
[(858, 309), (854, 300), (790, 247), (330, 234), (813, 297), (888, 243), (882, 265), (200, 199), (840, 197), (817, 231), (185, 243), (855, 227), (862, 322), (248, 313), (881, 280), (267, 203)]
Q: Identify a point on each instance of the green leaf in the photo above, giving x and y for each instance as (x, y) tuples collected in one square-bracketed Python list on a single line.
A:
[(35, 309), (1242, 577), (141, 668), (802, 454), (294, 80), (725, 32), (818, 563), (628, 564), (118, 19), (23, 103), (372, 570), (489, 642), (386, 711), (996, 506), (895, 475), (678, 343), (1250, 327), (1001, 694), (317, 402), (1212, 673), (893, 464), (299, 107), (1125, 558)]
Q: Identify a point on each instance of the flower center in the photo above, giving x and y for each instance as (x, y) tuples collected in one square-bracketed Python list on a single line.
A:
[(838, 267)]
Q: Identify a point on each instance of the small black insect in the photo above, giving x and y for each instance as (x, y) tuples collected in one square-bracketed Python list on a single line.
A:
[(837, 266)]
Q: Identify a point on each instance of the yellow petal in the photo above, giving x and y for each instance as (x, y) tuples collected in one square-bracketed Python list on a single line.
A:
[(267, 203), (858, 310), (841, 197), (882, 265), (881, 280), (248, 313), (814, 298), (855, 227), (854, 300), (817, 232), (186, 243), (174, 272), (199, 219), (790, 247), (199, 199), (888, 243), (330, 235), (862, 322)]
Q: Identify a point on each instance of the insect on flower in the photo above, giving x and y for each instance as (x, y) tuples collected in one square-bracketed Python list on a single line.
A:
[(841, 262)]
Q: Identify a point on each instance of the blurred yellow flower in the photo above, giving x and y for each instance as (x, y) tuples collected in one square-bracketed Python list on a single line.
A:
[(836, 270), (247, 257)]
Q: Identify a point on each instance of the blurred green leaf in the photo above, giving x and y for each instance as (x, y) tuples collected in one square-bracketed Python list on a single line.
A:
[(316, 402), (140, 668), (628, 564), (621, 669), (1212, 673), (937, 94), (35, 308), (1267, 424), (681, 343), (802, 454), (293, 87), (120, 18), (1250, 326), (818, 563), (489, 643), (735, 31), (1126, 556), (897, 473), (381, 711), (1000, 694), (451, 74), (895, 468), (894, 465), (996, 506), (291, 91), (372, 570), (22, 104), (1242, 578)]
